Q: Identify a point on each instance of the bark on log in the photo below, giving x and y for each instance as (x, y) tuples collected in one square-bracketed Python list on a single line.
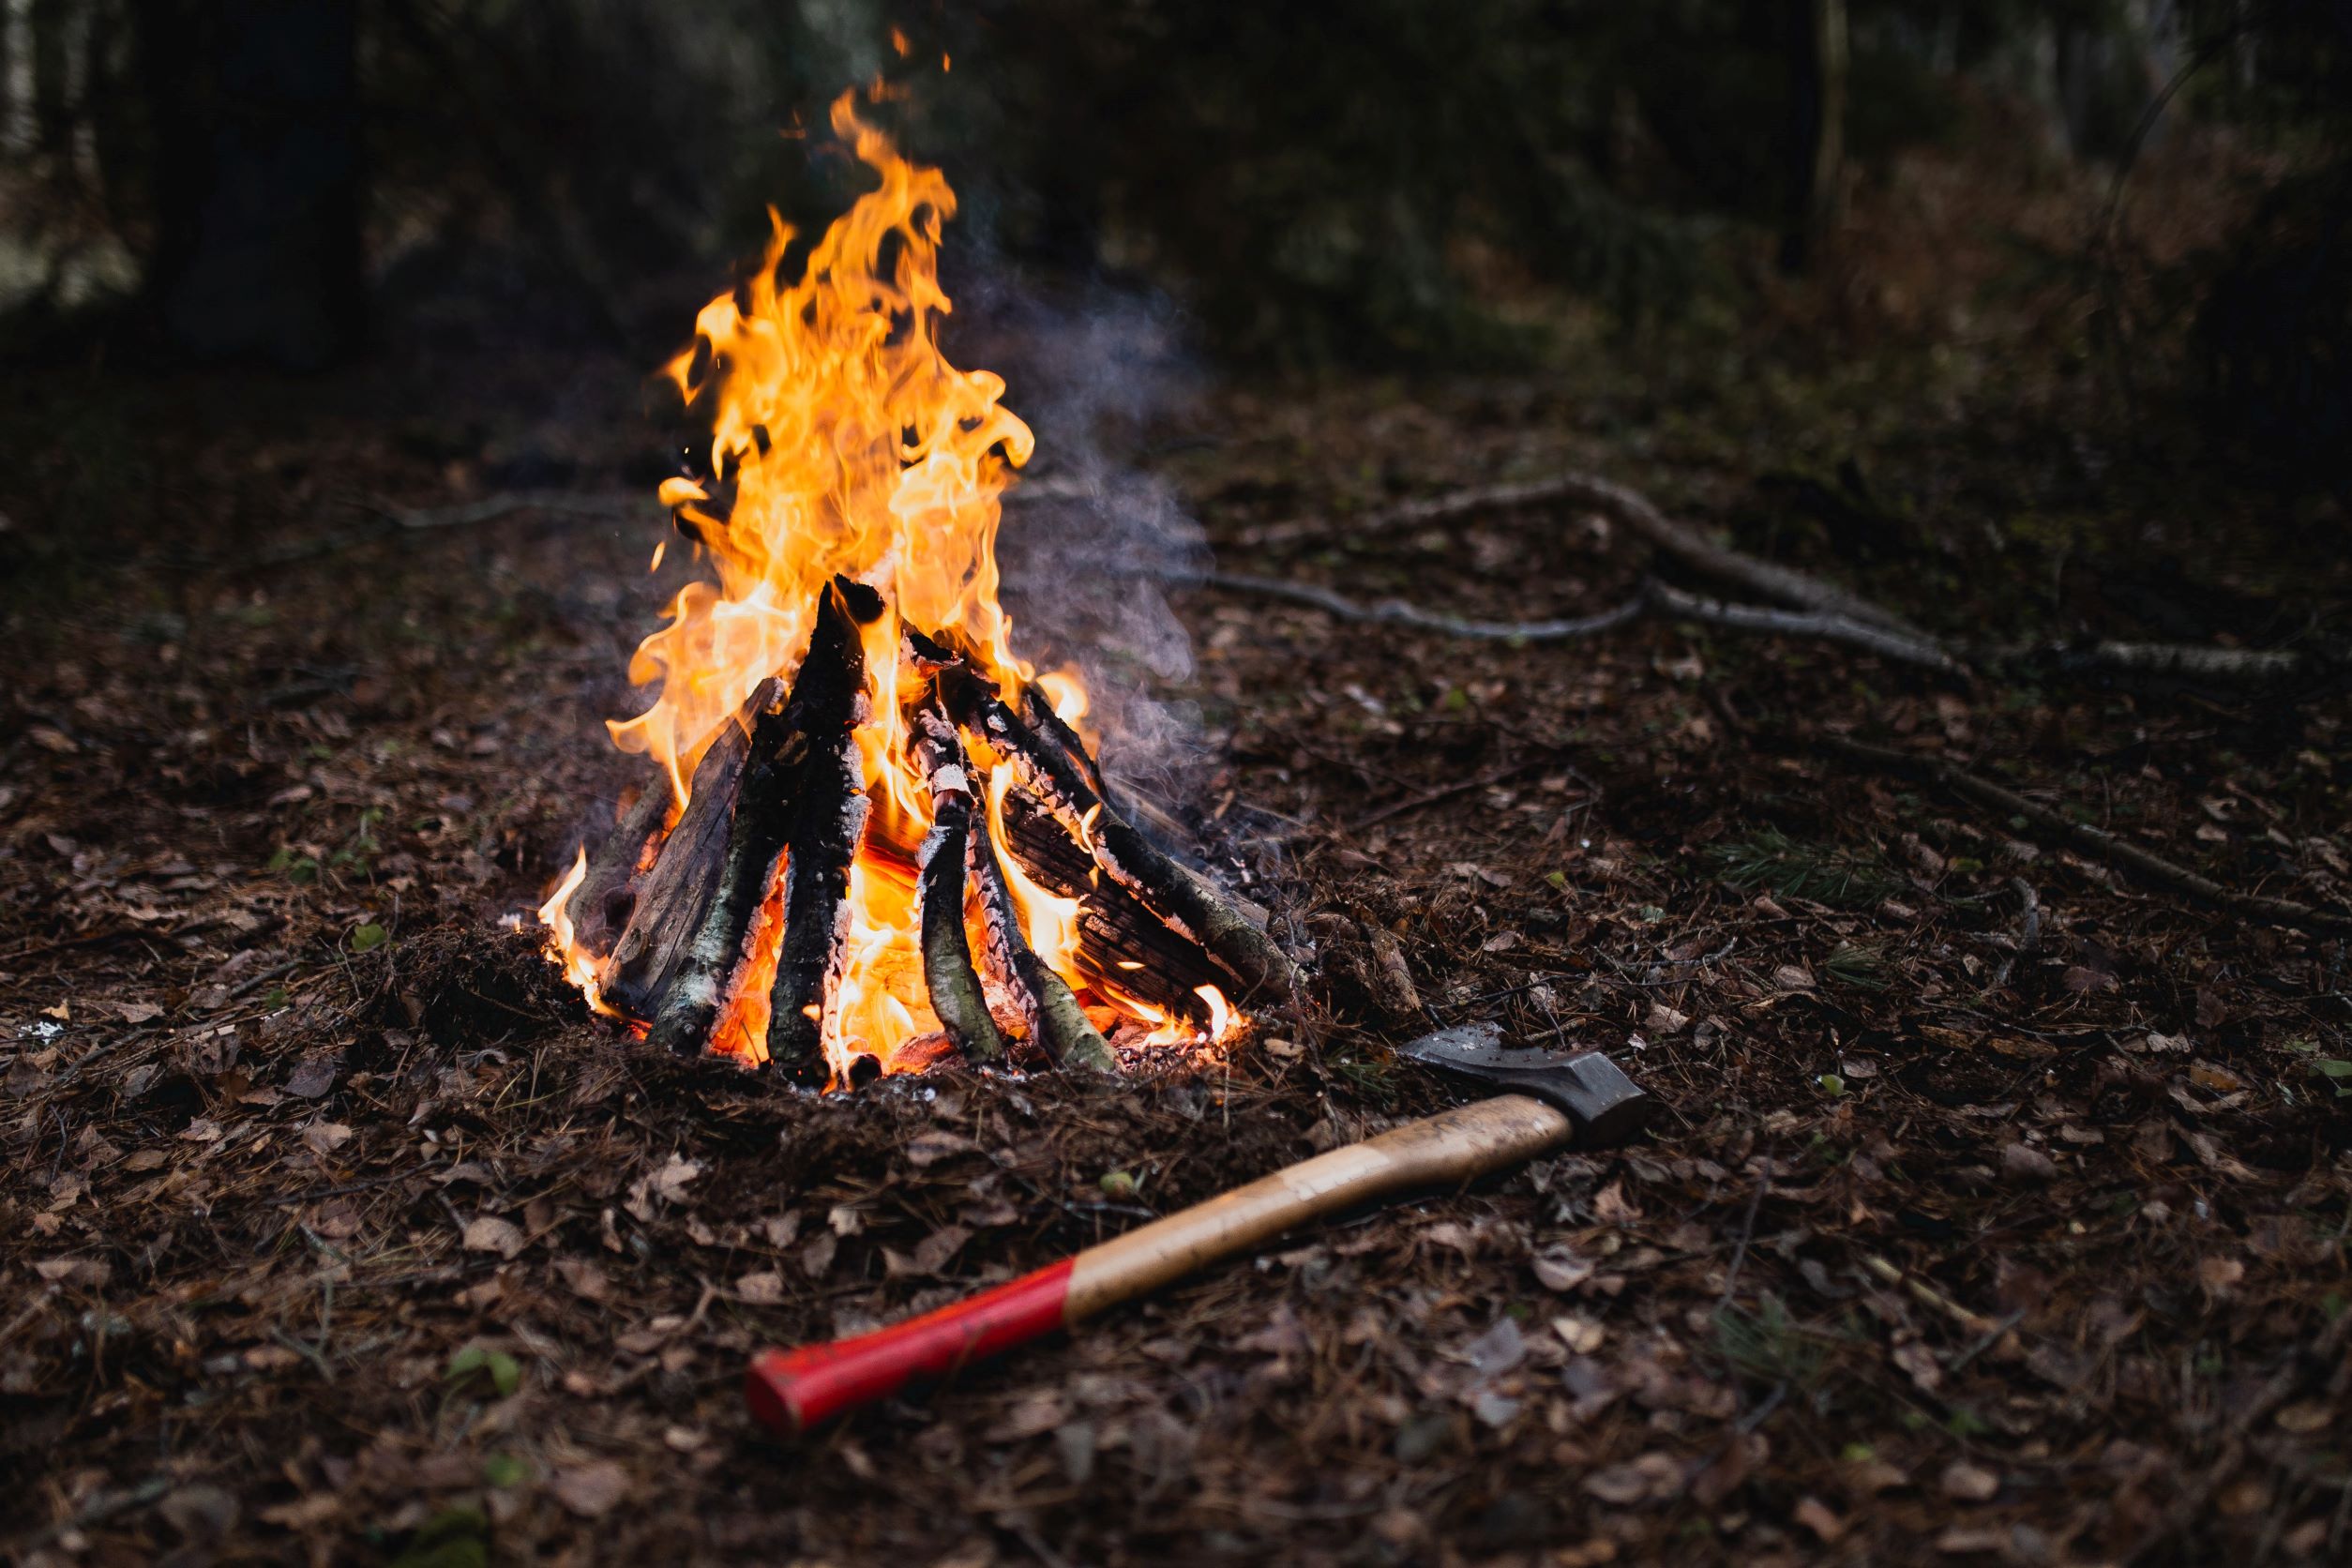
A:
[(1048, 724), (1056, 1023), (828, 817), (600, 905), (675, 894), (947, 971), (1187, 902), (738, 845)]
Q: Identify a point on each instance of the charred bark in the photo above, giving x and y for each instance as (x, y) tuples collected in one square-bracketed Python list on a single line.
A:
[(600, 905), (947, 971), (1118, 930), (828, 817), (1049, 725), (675, 894), (734, 848), (1182, 900), (1056, 1023)]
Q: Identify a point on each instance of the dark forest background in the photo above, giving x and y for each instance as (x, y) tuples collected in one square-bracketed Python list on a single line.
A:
[(2162, 189)]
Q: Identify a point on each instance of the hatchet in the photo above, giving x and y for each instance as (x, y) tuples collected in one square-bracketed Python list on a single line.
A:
[(1548, 1100)]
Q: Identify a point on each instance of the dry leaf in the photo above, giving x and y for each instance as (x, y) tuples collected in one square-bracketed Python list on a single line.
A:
[(931, 1147), (1969, 1483), (1557, 1268), (592, 1489), (2026, 1163), (763, 1289), (489, 1233), (583, 1278), (325, 1137)]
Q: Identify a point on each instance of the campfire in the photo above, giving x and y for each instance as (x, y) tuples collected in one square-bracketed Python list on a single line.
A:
[(877, 836)]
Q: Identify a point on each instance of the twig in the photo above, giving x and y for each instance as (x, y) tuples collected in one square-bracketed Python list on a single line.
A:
[(1902, 645), (2098, 841)]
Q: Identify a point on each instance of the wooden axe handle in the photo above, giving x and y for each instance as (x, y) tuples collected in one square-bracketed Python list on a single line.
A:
[(795, 1390)]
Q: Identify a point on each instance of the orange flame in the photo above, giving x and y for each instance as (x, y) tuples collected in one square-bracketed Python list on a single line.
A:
[(563, 944), (843, 441)]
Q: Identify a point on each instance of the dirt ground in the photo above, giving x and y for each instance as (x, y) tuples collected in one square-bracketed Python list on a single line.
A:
[(334, 1232)]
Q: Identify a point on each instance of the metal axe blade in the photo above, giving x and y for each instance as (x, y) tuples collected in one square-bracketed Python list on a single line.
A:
[(1608, 1107)]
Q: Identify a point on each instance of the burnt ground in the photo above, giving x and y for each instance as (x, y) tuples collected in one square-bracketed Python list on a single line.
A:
[(334, 1232)]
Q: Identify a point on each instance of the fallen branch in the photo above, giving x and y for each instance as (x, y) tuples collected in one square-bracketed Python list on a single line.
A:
[(1629, 508), (1654, 598), (2097, 842)]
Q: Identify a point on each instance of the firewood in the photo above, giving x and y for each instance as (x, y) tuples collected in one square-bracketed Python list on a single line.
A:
[(828, 817), (1056, 1023), (1118, 930), (1186, 900), (673, 896), (1049, 724), (947, 971), (740, 858), (600, 905)]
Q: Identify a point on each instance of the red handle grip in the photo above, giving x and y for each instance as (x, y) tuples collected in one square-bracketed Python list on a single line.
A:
[(793, 1391)]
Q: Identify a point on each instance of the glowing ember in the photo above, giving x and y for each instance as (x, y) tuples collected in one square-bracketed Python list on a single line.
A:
[(844, 444)]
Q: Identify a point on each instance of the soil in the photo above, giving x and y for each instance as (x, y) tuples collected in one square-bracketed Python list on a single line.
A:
[(336, 1230)]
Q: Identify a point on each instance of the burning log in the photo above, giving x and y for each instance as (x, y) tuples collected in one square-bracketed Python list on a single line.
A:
[(674, 895), (1126, 944), (599, 907), (1049, 724), (1055, 1020), (947, 971), (828, 820), (744, 844), (1179, 898)]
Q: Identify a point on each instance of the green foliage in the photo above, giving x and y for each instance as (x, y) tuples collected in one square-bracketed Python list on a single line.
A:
[(475, 1365), (1820, 873)]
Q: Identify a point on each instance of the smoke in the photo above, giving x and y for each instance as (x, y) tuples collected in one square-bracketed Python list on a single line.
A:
[(1088, 536)]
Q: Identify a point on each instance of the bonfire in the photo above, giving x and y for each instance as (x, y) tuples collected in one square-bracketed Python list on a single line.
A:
[(876, 835)]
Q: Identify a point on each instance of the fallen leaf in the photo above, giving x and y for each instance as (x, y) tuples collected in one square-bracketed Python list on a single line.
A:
[(325, 1137), (930, 1147), (763, 1289), (817, 1257), (1557, 1268), (314, 1077), (1652, 1476), (2026, 1163), (489, 1233), (930, 1254), (583, 1278), (2220, 1275), (1969, 1483), (670, 1180), (1818, 1517), (592, 1489), (145, 1159), (202, 1131)]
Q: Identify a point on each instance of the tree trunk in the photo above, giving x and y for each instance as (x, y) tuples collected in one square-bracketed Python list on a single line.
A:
[(1816, 102)]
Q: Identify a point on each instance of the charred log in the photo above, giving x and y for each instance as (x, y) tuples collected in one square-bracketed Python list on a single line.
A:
[(675, 896), (828, 817), (1125, 944), (743, 845), (1050, 727), (1055, 1021), (947, 971), (600, 905), (1179, 898)]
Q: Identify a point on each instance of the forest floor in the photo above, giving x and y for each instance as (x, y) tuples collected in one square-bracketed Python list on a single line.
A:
[(334, 1232)]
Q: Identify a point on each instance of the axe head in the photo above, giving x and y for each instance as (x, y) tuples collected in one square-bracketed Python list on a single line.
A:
[(1608, 1107)]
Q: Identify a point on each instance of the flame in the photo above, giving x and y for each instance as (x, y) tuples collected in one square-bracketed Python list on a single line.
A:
[(563, 942), (844, 443)]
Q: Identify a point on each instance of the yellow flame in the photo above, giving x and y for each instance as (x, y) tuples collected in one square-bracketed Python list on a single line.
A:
[(579, 965)]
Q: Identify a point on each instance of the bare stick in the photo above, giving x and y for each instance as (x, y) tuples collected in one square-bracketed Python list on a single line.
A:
[(1400, 613), (1047, 723), (1902, 646), (2097, 842), (828, 819), (947, 970)]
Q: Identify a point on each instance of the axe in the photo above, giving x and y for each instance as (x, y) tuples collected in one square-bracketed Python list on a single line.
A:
[(1550, 1100)]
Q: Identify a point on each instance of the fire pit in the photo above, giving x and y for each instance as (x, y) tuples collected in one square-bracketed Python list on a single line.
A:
[(877, 835)]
